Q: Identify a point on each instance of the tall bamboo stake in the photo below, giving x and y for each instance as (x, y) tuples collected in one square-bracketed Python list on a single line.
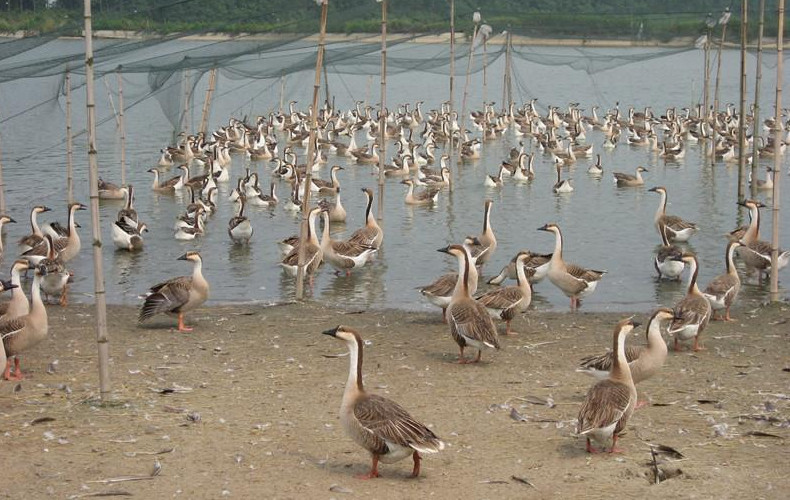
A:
[(212, 84), (282, 91), (452, 84), (742, 119), (507, 86), (709, 24), (69, 142), (102, 338), (383, 108), (777, 175), (2, 183), (723, 20), (758, 81), (122, 127), (310, 152), (476, 19)]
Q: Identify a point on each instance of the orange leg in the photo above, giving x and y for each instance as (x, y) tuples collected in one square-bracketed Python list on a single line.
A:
[(508, 331), (641, 404), (416, 470), (677, 345), (727, 315), (614, 448), (374, 470), (444, 314), (7, 371), (589, 447), (479, 355), (17, 369), (461, 359), (181, 326), (64, 296), (697, 347)]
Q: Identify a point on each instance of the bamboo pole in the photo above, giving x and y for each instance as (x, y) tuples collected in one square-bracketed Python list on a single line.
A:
[(212, 83), (69, 142), (476, 20), (777, 175), (452, 85), (383, 108), (723, 20), (709, 24), (122, 127), (282, 91), (102, 338), (111, 101), (757, 83), (310, 151), (507, 86), (2, 182), (742, 118)]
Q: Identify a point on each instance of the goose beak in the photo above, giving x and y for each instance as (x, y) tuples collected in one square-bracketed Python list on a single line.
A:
[(11, 220), (636, 323), (544, 227), (7, 285), (332, 332), (444, 249), (46, 209), (183, 257), (653, 189), (82, 207)]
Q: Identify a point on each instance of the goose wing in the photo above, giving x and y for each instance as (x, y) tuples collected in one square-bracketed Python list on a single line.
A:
[(469, 319), (387, 421), (603, 362), (9, 329), (675, 223), (502, 298), (442, 287), (584, 274), (605, 405), (166, 297), (692, 310), (721, 286), (364, 236)]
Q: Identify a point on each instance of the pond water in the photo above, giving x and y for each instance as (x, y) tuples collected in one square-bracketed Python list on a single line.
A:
[(604, 227)]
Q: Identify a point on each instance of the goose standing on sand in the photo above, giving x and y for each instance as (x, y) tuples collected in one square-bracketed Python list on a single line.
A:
[(36, 236), (440, 292), (18, 305), (24, 332), (376, 423), (5, 285), (627, 180), (371, 233), (178, 295), (644, 361), (506, 302), (722, 291), (692, 313), (575, 281), (4, 219), (470, 324), (611, 402), (676, 228)]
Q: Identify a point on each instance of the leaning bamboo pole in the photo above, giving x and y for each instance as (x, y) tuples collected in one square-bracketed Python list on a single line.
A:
[(476, 20), (69, 143), (383, 108), (723, 20), (452, 84), (212, 84), (757, 83), (311, 145), (777, 175), (102, 338), (742, 118), (121, 127), (2, 183)]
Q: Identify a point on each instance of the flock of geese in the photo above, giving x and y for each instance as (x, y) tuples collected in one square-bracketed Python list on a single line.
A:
[(379, 425)]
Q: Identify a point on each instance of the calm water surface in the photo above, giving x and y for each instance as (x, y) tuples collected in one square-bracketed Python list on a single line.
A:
[(604, 227)]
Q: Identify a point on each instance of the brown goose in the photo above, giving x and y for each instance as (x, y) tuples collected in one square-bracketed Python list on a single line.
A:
[(440, 292), (482, 246), (343, 255), (692, 313), (128, 212), (170, 185), (4, 219), (110, 191), (754, 252), (536, 267), (313, 256), (426, 197), (506, 302), (327, 187), (371, 233), (668, 261), (36, 236), (18, 305), (56, 278), (676, 228), (723, 290), (643, 360), (376, 423), (67, 247), (611, 402), (178, 295), (5, 285), (23, 332), (470, 324), (627, 180), (575, 281)]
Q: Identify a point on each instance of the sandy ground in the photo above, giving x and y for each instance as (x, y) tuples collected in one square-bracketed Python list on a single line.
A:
[(246, 406)]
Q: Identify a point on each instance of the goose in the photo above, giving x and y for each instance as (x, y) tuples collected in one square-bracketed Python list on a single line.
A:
[(644, 360), (435, 181), (128, 213), (128, 237), (371, 233), (536, 267), (177, 295), (692, 313), (611, 402), (110, 191), (337, 212), (343, 255), (562, 185), (440, 291), (402, 170), (425, 197), (483, 246), (193, 227), (627, 180), (676, 228), (506, 302), (575, 281), (722, 291), (379, 425), (24, 332), (524, 169), (170, 185), (239, 226), (36, 236), (4, 219), (66, 247), (763, 184), (495, 180), (56, 278), (668, 261), (18, 305), (364, 157), (313, 255), (754, 252), (327, 187), (470, 323)]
